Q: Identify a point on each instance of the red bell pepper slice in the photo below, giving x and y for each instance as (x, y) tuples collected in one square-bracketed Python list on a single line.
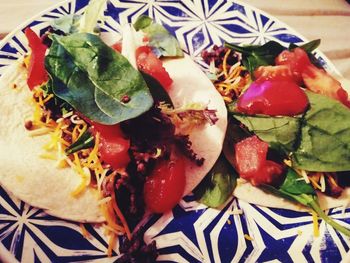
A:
[(37, 74)]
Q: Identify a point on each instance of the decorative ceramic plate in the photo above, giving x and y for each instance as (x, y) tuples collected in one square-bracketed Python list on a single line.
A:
[(191, 232)]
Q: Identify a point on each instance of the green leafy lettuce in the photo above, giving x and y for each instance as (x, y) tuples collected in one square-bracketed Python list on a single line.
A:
[(319, 140), (325, 136), (159, 37), (95, 79), (218, 184)]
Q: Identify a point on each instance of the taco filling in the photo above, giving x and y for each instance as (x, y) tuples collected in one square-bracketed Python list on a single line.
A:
[(103, 133), (289, 124)]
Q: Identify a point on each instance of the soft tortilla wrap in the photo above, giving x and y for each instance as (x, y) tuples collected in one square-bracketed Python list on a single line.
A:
[(254, 195), (190, 85), (32, 179), (39, 183)]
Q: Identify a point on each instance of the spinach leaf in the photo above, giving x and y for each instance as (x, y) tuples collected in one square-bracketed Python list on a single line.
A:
[(159, 37), (67, 80), (293, 185), (218, 185), (85, 141), (301, 192), (254, 56), (57, 106), (279, 132), (159, 94), (94, 79), (325, 136), (308, 47)]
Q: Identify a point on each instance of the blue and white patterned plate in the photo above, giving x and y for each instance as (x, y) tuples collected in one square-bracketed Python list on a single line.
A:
[(191, 232)]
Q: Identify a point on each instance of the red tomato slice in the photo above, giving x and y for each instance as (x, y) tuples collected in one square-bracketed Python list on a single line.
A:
[(252, 165), (164, 188), (273, 97), (37, 74), (113, 147), (148, 62)]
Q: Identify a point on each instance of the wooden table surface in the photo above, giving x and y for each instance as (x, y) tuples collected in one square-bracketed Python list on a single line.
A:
[(325, 19)]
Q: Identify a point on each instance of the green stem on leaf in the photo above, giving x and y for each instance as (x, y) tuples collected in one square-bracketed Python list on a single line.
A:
[(314, 205)]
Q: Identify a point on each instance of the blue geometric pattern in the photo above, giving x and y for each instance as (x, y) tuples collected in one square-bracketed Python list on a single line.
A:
[(190, 232)]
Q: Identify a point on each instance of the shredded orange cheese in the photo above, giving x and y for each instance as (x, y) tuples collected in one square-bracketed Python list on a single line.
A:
[(83, 162), (233, 83), (111, 245)]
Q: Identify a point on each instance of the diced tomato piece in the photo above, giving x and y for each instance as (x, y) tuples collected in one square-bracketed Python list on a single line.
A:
[(297, 60), (252, 165), (264, 97), (37, 74), (113, 147), (148, 62), (114, 151), (250, 155), (164, 188), (319, 81), (117, 47)]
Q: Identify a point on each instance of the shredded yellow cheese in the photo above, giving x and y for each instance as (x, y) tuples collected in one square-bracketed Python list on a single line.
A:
[(315, 224), (62, 133), (247, 237)]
